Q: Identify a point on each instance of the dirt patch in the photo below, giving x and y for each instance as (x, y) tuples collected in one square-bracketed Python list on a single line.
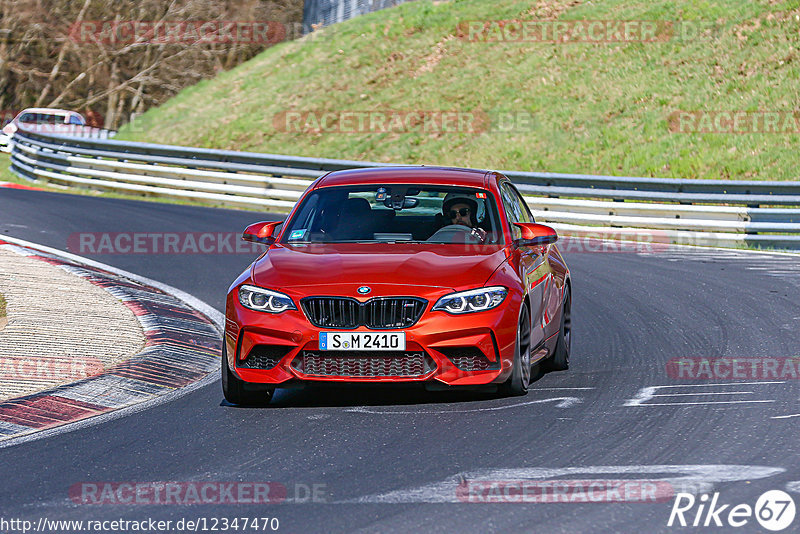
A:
[(430, 61), (551, 9)]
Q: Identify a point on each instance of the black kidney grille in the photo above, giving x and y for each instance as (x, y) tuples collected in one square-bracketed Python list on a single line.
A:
[(332, 312), (379, 312), (364, 364), (393, 312)]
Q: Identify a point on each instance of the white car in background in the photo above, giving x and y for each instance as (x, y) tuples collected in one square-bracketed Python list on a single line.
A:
[(46, 120)]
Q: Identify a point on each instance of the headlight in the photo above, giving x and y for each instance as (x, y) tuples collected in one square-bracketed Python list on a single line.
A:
[(474, 300), (260, 299)]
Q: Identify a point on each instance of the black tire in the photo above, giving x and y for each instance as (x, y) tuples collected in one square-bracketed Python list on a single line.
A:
[(517, 383), (559, 361), (237, 391)]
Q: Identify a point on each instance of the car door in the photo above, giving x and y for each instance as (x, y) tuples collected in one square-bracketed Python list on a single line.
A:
[(553, 285), (534, 270)]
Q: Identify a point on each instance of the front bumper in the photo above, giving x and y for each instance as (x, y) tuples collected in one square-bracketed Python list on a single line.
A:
[(470, 349)]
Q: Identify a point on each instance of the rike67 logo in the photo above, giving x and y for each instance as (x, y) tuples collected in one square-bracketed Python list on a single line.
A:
[(774, 510)]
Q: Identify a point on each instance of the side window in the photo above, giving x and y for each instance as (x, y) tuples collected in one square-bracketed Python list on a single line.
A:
[(515, 210), (526, 211), (74, 119), (37, 118)]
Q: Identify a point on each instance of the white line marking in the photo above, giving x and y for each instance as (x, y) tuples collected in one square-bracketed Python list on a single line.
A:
[(703, 393), (793, 486), (693, 479), (771, 268), (785, 416), (763, 383), (217, 317), (708, 402), (558, 389), (646, 393), (690, 250), (565, 402)]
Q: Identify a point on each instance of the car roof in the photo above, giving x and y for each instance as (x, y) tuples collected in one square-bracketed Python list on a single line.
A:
[(408, 174)]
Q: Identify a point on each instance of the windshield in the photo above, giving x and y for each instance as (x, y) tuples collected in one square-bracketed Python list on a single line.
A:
[(42, 118), (396, 213)]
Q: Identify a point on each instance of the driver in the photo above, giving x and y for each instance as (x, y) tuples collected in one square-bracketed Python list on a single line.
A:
[(463, 210)]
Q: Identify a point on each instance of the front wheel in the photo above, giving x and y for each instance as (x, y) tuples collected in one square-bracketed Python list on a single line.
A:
[(517, 383), (238, 391)]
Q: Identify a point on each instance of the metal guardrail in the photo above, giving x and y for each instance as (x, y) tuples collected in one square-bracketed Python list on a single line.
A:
[(702, 212), (327, 12)]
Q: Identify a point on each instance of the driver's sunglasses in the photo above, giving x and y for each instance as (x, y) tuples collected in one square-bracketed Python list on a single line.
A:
[(463, 212)]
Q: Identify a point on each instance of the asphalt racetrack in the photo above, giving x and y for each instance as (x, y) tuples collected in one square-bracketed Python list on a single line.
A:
[(393, 460)]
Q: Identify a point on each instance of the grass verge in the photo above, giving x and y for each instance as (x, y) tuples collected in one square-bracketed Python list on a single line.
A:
[(598, 108)]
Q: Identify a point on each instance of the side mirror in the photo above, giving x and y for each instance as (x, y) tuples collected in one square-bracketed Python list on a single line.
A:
[(534, 234), (261, 232)]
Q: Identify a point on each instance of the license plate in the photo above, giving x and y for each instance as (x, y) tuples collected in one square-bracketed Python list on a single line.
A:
[(362, 341)]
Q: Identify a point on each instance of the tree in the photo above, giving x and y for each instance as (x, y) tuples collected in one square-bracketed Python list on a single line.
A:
[(118, 58)]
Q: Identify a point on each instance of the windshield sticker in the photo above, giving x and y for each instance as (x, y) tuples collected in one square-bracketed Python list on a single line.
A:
[(297, 234)]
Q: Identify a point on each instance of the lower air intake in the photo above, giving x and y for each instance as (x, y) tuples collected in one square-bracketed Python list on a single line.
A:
[(469, 359), (364, 364), (264, 356)]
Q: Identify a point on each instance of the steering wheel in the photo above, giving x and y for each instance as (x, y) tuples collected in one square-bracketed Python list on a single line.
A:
[(450, 233)]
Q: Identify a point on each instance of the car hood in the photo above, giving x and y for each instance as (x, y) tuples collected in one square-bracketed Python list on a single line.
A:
[(419, 264)]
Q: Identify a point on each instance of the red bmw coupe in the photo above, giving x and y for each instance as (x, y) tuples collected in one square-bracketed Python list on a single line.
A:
[(405, 274)]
